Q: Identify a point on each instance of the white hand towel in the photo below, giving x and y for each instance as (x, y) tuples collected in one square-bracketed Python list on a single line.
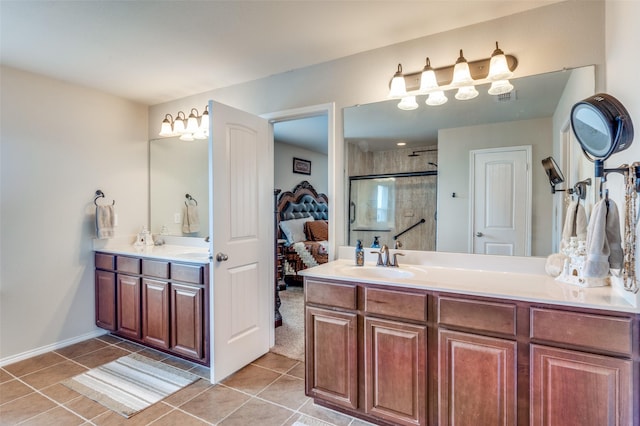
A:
[(190, 219), (575, 223), (105, 219), (603, 240)]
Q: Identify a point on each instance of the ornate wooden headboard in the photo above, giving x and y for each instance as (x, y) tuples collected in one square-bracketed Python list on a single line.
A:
[(303, 201)]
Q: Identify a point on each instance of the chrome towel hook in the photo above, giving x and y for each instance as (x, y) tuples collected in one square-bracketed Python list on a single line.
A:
[(100, 194), (190, 198)]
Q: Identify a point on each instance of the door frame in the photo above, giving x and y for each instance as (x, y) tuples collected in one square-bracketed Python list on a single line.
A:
[(335, 180), (528, 199)]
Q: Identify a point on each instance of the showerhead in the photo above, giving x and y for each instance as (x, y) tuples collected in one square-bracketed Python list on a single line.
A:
[(413, 154)]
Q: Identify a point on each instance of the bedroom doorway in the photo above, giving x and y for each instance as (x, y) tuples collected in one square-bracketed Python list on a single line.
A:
[(305, 134)]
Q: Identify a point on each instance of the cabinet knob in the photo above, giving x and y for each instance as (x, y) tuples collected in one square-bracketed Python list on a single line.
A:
[(221, 257)]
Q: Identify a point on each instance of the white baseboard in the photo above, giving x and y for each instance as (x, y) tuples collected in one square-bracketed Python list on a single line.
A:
[(52, 347)]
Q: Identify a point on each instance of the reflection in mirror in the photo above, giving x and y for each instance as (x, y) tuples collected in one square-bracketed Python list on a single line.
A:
[(535, 117), (178, 168)]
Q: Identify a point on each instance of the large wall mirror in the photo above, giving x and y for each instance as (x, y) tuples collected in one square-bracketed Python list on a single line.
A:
[(472, 145), (178, 168)]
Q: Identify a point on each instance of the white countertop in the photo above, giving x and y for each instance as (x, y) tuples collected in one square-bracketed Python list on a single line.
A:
[(530, 285), (190, 250)]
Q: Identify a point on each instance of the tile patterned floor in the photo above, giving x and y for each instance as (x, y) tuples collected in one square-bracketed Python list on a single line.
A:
[(269, 391)]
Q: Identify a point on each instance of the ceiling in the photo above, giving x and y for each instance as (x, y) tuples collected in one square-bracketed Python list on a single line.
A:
[(157, 51)]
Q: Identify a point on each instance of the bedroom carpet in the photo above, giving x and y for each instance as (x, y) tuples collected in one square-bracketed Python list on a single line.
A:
[(290, 336), (130, 383)]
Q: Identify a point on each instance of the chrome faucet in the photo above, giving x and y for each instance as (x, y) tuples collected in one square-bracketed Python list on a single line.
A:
[(384, 257)]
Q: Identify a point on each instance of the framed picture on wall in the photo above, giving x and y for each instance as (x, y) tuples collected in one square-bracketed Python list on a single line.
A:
[(301, 166)]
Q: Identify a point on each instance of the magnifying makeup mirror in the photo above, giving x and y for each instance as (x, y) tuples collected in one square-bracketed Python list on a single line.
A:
[(553, 172), (603, 127)]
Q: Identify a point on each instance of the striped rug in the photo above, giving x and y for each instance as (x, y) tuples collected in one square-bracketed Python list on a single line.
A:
[(130, 383)]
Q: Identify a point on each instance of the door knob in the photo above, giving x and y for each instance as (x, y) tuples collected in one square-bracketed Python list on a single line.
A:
[(479, 234), (221, 257)]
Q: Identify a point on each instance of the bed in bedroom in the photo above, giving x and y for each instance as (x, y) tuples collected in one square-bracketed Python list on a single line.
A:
[(302, 231)]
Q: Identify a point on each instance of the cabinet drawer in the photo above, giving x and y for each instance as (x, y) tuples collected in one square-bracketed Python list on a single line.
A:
[(105, 261), (412, 306), (128, 264), (477, 315), (187, 273), (600, 332), (330, 294), (155, 268)]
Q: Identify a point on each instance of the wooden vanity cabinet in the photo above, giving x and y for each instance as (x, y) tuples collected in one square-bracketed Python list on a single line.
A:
[(402, 356), (157, 303)]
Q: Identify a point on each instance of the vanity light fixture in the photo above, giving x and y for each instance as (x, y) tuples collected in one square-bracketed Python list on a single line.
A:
[(463, 76), (187, 128)]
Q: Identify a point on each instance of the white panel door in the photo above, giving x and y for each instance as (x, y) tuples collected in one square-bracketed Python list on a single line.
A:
[(242, 238), (501, 201)]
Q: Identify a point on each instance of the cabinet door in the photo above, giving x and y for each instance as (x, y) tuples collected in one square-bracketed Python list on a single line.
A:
[(187, 320), (395, 371), (128, 306), (155, 312), (476, 380), (106, 300), (331, 356), (572, 388)]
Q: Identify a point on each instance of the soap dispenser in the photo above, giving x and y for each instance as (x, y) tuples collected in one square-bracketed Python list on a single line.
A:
[(376, 242), (359, 254)]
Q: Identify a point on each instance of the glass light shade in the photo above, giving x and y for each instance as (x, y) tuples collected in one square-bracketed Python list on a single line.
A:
[(408, 103), (165, 128), (178, 126), (186, 137), (199, 134), (461, 73), (398, 85), (192, 123), (204, 122), (500, 87), (498, 67), (466, 93), (436, 98), (428, 81)]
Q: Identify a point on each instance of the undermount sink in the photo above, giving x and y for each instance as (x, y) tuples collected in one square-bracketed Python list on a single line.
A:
[(377, 272)]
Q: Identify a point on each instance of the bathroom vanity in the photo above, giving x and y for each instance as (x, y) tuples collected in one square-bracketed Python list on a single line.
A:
[(157, 296), (432, 345)]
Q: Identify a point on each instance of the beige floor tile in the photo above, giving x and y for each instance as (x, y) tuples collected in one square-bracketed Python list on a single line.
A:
[(187, 393), (60, 393), (307, 421), (5, 376), (297, 371), (324, 414), (101, 356), (144, 417), (13, 389), (86, 407), (82, 348), (257, 412), (153, 354), (358, 422), (53, 374), (36, 363), (178, 418), (55, 417), (287, 391), (130, 346), (275, 362), (215, 404), (111, 339), (201, 370), (24, 408), (178, 363), (251, 379)]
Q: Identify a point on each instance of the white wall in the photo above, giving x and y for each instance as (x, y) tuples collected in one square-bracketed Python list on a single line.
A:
[(286, 180), (60, 143), (567, 35), (453, 176)]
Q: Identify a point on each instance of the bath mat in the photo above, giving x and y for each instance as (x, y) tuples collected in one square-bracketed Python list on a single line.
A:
[(130, 383)]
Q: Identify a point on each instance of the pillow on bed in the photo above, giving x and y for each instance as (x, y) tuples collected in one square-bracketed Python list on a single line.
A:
[(318, 230), (293, 229)]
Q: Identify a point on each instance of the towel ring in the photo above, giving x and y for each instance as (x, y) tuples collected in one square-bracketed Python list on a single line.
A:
[(190, 198), (100, 194)]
